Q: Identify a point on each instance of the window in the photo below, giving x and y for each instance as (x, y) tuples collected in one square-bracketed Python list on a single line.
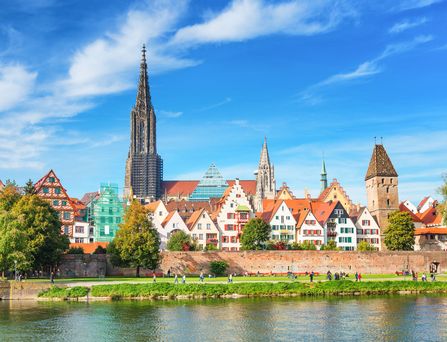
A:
[(51, 179), (230, 215), (64, 203), (45, 190), (287, 217), (338, 211), (200, 236), (55, 203), (310, 222), (79, 229), (194, 236), (229, 227), (243, 216), (366, 222), (103, 219), (57, 191), (342, 220), (66, 215), (160, 213), (231, 205), (203, 215), (199, 226), (118, 220), (208, 226), (106, 230), (66, 230), (383, 180), (387, 203), (79, 240)]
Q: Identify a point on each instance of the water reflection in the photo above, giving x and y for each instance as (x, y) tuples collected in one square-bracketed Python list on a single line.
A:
[(403, 318)]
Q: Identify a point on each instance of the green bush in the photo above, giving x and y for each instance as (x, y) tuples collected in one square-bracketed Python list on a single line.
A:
[(218, 268), (75, 250), (64, 292)]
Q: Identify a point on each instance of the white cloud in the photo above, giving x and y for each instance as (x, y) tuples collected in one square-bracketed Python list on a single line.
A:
[(407, 24), (247, 19), (170, 114), (404, 5), (105, 65), (15, 85), (311, 95)]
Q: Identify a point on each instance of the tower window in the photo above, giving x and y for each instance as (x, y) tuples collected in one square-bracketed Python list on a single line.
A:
[(388, 203), (387, 189), (383, 180), (391, 180), (373, 203)]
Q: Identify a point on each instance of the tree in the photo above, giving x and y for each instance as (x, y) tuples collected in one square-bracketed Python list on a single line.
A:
[(42, 226), (256, 232), (294, 246), (13, 245), (8, 197), (180, 241), (29, 188), (330, 246), (364, 246), (218, 268), (136, 243), (100, 250), (399, 235), (211, 247)]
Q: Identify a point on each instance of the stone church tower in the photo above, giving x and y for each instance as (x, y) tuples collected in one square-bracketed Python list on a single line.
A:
[(265, 179), (144, 167), (381, 187)]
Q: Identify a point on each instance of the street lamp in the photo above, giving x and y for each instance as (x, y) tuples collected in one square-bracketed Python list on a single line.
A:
[(15, 270)]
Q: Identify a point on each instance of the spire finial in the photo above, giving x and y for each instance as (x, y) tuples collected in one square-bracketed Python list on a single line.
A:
[(381, 140), (143, 54), (375, 140)]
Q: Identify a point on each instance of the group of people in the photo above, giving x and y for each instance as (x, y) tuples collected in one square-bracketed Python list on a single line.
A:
[(341, 275), (414, 276)]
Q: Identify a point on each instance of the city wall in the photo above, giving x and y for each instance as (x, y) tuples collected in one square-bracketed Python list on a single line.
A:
[(264, 262)]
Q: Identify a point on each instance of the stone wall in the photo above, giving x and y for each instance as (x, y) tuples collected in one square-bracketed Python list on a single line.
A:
[(11, 290), (264, 262)]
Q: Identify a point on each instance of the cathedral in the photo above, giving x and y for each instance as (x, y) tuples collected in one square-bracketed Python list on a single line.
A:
[(144, 167)]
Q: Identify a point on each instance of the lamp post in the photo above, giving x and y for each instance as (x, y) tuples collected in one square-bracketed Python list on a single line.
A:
[(15, 270)]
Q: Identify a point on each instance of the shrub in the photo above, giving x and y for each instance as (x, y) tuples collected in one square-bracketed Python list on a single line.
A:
[(218, 268), (211, 247), (294, 246), (100, 250), (75, 250)]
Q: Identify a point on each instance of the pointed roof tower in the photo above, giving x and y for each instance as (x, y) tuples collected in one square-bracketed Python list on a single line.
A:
[(323, 179), (143, 93), (264, 154), (380, 164)]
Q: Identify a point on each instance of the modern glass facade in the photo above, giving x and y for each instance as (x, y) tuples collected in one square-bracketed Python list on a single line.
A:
[(108, 212), (212, 185)]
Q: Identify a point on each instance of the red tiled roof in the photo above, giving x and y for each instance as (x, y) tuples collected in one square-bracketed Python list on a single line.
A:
[(322, 210), (152, 206), (89, 196), (89, 248), (194, 218), (166, 220), (424, 231), (428, 216), (184, 188)]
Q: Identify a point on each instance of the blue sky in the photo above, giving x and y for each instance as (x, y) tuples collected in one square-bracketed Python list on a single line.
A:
[(314, 77)]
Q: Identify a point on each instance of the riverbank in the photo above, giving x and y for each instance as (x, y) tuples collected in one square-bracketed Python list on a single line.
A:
[(175, 291)]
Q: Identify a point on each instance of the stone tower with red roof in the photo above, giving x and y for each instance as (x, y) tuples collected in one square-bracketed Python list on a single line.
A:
[(381, 186)]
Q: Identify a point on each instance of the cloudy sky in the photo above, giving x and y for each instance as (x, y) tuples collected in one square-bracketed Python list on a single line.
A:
[(315, 77)]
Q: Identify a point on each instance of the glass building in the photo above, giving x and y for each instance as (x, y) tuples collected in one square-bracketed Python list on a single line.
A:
[(212, 185), (108, 212)]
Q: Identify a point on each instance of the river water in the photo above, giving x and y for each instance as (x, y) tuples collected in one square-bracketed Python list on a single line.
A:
[(397, 318)]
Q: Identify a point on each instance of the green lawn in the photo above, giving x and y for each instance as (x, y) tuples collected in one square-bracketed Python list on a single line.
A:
[(195, 279)]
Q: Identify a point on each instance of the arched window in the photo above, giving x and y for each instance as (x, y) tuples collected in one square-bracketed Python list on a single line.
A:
[(387, 203), (383, 180), (387, 189)]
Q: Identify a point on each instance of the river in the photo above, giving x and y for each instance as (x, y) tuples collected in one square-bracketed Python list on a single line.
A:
[(396, 318)]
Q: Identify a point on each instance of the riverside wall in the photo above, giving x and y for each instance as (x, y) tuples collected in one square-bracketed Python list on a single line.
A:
[(11, 290), (264, 262)]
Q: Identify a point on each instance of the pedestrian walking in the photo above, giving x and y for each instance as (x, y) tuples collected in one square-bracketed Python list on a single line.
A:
[(201, 277), (356, 276), (433, 277), (424, 277), (52, 277), (175, 279), (184, 279), (154, 278), (311, 276), (169, 273), (360, 276)]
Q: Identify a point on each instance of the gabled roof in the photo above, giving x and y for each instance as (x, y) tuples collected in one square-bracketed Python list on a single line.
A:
[(380, 164), (249, 186), (194, 218), (41, 182), (180, 188), (89, 196), (334, 184), (322, 210), (168, 218), (152, 206), (296, 206), (424, 200), (404, 208), (437, 230), (284, 193)]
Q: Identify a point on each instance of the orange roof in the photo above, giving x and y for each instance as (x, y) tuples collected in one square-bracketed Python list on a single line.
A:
[(270, 207), (166, 220), (424, 231), (428, 216), (184, 188), (322, 210), (89, 248), (152, 206), (181, 188), (194, 218), (249, 186)]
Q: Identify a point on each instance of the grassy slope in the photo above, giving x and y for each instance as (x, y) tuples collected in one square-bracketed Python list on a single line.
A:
[(118, 291)]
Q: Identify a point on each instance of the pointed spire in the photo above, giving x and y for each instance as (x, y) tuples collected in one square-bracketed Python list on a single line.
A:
[(323, 178), (380, 164), (264, 154)]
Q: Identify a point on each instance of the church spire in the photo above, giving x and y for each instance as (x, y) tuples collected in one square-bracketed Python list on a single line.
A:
[(265, 178), (323, 179), (264, 154)]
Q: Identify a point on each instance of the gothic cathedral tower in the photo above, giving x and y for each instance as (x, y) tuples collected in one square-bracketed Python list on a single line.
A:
[(144, 167), (265, 179), (381, 187)]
